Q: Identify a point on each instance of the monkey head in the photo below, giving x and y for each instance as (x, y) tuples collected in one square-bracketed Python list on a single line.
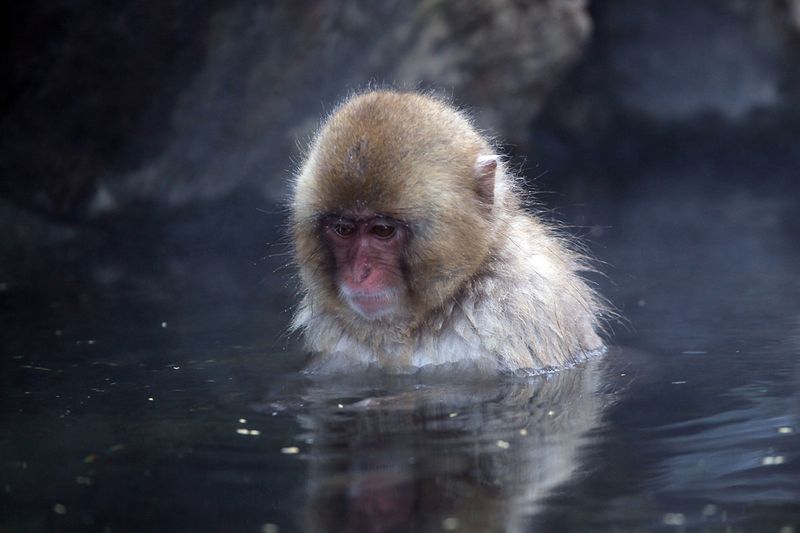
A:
[(394, 207)]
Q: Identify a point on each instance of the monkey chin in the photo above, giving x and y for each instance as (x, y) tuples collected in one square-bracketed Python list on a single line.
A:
[(371, 305)]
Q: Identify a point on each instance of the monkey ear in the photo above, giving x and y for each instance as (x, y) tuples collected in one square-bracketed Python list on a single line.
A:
[(485, 168)]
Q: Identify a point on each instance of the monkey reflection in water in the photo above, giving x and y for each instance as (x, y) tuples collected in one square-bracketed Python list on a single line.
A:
[(414, 249), (480, 456)]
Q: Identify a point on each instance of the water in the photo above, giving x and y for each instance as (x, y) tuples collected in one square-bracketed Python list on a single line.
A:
[(159, 391)]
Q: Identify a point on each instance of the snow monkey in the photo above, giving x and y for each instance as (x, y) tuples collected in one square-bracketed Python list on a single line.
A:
[(414, 249)]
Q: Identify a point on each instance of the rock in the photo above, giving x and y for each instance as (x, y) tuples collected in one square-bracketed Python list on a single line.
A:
[(794, 13), (680, 59), (172, 105)]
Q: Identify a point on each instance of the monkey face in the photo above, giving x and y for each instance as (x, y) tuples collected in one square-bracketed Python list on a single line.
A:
[(412, 167), (367, 255)]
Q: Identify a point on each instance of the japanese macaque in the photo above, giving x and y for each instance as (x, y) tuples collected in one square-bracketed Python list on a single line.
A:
[(414, 249)]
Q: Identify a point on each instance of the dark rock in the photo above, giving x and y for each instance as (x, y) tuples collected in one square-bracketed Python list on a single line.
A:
[(180, 104)]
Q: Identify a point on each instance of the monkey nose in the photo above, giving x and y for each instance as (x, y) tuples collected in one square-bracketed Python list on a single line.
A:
[(362, 273), (357, 275)]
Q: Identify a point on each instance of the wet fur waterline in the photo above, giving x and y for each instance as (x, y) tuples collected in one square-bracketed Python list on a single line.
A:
[(336, 366), (373, 386)]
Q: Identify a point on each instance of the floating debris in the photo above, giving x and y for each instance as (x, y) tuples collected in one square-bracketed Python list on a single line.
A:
[(523, 432), (773, 460), (453, 415), (270, 528), (678, 382), (245, 431), (35, 367), (59, 508), (503, 444), (710, 510), (243, 421), (450, 523), (674, 519), (290, 450), (105, 363), (163, 324), (785, 430)]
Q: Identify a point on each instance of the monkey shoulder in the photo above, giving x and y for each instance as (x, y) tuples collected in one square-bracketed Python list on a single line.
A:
[(529, 308)]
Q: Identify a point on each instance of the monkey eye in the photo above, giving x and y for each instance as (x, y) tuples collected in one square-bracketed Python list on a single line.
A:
[(343, 229), (382, 231)]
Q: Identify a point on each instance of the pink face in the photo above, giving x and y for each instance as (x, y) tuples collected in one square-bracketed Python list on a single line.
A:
[(367, 253)]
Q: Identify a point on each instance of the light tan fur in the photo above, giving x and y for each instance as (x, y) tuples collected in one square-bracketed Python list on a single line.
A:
[(489, 285)]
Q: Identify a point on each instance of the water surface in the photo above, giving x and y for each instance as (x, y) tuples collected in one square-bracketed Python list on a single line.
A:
[(162, 393)]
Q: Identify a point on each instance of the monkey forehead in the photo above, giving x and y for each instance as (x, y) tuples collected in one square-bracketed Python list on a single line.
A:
[(392, 153)]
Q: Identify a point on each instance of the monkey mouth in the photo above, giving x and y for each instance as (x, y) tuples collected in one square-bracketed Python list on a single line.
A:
[(370, 304)]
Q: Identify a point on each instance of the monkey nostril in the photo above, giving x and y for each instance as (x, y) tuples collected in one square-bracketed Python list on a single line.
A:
[(357, 278)]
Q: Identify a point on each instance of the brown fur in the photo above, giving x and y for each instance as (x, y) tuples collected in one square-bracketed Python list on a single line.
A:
[(487, 283)]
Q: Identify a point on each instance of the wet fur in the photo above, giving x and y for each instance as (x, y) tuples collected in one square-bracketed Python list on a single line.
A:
[(489, 284)]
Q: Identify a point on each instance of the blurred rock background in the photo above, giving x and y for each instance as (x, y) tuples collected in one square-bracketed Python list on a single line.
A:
[(146, 109), (174, 126)]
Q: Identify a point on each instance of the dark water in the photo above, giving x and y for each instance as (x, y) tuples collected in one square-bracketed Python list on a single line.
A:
[(160, 393)]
